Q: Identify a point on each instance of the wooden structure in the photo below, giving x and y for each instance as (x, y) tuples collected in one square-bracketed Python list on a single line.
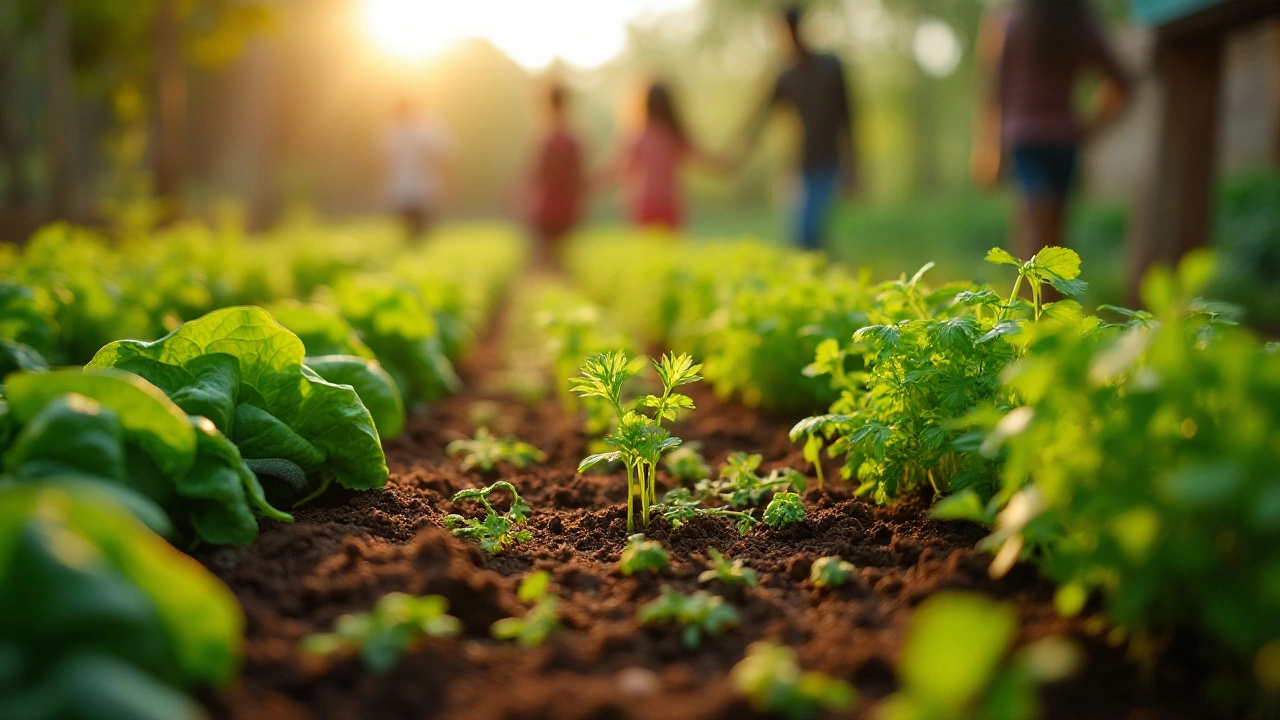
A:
[(1175, 214)]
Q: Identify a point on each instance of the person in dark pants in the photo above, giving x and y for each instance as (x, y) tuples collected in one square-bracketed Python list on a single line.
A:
[(813, 85), (1036, 53)]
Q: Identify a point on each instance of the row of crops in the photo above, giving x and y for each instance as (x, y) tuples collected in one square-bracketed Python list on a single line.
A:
[(215, 413)]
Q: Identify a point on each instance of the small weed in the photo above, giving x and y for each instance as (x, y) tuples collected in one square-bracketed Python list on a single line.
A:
[(700, 613), (496, 532), (485, 451), (732, 573), (392, 628), (540, 621), (642, 555), (740, 483), (830, 572), (679, 507)]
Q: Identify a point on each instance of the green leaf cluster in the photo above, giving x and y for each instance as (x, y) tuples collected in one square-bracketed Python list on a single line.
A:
[(540, 621), (733, 573), (678, 507), (786, 508), (397, 623), (699, 614), (642, 556), (496, 531), (485, 451), (830, 572), (741, 485), (771, 679)]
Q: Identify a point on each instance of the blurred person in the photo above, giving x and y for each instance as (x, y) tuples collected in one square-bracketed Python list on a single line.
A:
[(1035, 53), (419, 152), (558, 183), (813, 86), (649, 168)]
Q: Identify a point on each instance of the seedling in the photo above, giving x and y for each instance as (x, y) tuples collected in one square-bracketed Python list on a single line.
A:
[(786, 508), (642, 555), (485, 452), (639, 439), (740, 483), (496, 532), (830, 572), (686, 465), (772, 681), (679, 507), (395, 625), (700, 613), (732, 573), (540, 621)]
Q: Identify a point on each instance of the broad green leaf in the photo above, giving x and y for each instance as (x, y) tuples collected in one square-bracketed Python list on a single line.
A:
[(1058, 262), (375, 387), (954, 645), (963, 505), (1000, 256)]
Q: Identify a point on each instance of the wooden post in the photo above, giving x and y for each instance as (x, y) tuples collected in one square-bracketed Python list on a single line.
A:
[(1175, 212)]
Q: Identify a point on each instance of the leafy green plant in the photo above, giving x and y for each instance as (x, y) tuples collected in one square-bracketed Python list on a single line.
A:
[(397, 623), (496, 532), (641, 555), (685, 464), (640, 439), (698, 614), (786, 508), (485, 451), (956, 663), (540, 621), (772, 681), (830, 572), (99, 617), (679, 507), (375, 387), (731, 573), (741, 485)]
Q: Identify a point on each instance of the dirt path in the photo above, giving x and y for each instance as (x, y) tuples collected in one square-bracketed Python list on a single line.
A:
[(297, 579)]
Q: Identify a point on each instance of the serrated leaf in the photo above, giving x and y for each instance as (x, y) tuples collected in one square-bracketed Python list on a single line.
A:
[(1068, 287), (1060, 262), (1000, 256)]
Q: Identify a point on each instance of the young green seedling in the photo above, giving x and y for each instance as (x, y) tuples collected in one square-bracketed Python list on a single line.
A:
[(679, 507), (642, 555), (786, 508), (686, 465), (639, 438), (700, 613), (540, 621), (392, 628), (732, 573), (485, 452), (771, 680), (740, 483), (496, 532), (830, 572)]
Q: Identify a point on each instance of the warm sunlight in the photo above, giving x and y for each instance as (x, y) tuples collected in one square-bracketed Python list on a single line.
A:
[(584, 33)]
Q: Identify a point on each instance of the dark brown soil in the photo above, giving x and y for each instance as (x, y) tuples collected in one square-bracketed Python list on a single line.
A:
[(298, 578)]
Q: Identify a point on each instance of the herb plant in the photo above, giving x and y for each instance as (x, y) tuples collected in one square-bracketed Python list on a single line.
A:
[(772, 681), (830, 572), (497, 531), (741, 485), (731, 573), (786, 508), (639, 438), (540, 621), (698, 614), (641, 555), (395, 625), (679, 507), (485, 452)]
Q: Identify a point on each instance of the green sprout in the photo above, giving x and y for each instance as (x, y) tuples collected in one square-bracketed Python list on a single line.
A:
[(540, 621), (686, 465), (732, 573), (496, 532), (771, 680), (700, 613), (395, 625), (679, 507), (741, 485), (639, 438), (830, 572), (485, 452), (786, 508), (642, 555)]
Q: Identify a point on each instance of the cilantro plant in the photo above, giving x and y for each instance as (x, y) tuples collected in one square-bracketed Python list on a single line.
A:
[(679, 507), (830, 572), (786, 508), (772, 681), (698, 614), (395, 625), (731, 573), (639, 438), (641, 555), (540, 621), (497, 531), (741, 485), (485, 451)]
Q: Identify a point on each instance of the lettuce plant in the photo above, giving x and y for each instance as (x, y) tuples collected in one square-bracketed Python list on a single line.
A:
[(786, 508), (540, 621), (641, 555), (375, 387), (99, 617), (699, 614), (639, 438), (772, 681), (830, 572), (397, 624), (485, 451), (731, 573), (496, 532)]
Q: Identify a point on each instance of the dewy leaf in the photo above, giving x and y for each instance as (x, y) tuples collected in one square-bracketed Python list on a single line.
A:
[(375, 387), (1057, 262), (1000, 256)]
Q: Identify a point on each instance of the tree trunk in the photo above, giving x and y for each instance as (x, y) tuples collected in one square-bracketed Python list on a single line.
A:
[(62, 120), (171, 109)]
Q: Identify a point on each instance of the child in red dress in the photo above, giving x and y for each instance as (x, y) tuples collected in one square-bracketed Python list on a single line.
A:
[(558, 184)]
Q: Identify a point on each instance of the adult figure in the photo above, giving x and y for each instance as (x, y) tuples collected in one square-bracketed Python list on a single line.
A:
[(813, 86), (419, 152), (1036, 52)]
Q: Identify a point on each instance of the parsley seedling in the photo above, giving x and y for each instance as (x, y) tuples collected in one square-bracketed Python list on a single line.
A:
[(732, 573), (741, 485), (830, 572), (786, 508), (485, 452), (496, 532), (772, 681), (540, 621), (679, 507), (392, 628), (642, 555), (700, 613)]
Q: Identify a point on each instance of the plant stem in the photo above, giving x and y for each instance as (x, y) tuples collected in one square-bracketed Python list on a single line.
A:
[(630, 522)]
